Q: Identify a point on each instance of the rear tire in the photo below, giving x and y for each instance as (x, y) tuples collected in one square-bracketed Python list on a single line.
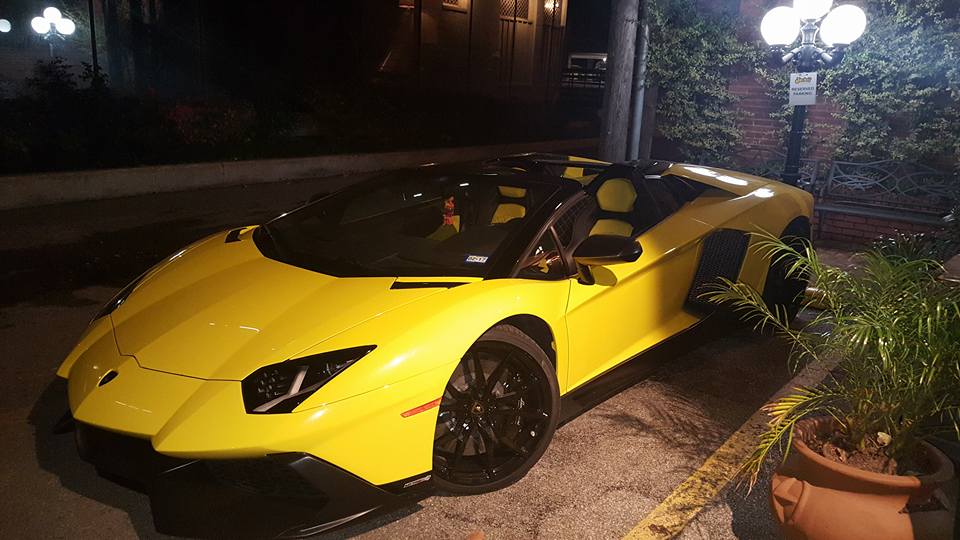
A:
[(786, 293), (498, 413)]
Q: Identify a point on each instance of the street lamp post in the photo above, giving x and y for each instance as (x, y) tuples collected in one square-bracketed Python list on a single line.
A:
[(53, 26), (809, 20), (93, 41)]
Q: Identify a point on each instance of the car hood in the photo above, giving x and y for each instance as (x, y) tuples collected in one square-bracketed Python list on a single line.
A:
[(220, 310)]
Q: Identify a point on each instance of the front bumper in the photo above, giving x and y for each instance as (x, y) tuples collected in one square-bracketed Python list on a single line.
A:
[(289, 495)]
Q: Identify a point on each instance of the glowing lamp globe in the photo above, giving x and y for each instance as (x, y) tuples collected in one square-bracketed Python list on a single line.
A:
[(4, 26), (811, 10), (52, 14), (843, 25), (66, 26), (780, 26), (40, 25)]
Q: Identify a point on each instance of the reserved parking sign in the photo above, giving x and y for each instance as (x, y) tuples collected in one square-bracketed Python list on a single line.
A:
[(803, 88)]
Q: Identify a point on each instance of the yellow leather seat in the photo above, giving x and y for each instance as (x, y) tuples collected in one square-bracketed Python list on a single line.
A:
[(511, 206), (615, 199)]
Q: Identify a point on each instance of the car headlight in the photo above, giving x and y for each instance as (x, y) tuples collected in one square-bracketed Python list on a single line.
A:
[(279, 388)]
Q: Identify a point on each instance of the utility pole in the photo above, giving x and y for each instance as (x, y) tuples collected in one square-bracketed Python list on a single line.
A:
[(418, 30), (639, 86), (620, 63), (93, 41)]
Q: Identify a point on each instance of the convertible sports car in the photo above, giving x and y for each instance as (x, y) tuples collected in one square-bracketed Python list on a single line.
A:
[(415, 330)]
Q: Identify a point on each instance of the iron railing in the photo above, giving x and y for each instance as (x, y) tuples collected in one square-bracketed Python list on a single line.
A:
[(893, 184), (573, 78)]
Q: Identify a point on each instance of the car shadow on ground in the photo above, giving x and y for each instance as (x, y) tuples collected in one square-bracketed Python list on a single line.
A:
[(57, 454), (708, 394)]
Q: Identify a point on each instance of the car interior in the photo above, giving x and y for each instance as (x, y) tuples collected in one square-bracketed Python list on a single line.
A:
[(618, 204), (456, 222)]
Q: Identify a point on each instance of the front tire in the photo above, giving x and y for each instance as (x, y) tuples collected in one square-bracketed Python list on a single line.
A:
[(781, 292), (498, 414)]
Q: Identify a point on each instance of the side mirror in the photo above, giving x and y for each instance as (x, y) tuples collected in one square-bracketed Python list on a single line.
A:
[(604, 250)]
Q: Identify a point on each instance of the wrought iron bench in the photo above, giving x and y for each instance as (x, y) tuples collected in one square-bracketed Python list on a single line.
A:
[(887, 189)]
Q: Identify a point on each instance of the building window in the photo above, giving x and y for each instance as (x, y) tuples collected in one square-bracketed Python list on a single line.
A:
[(515, 8), (455, 5), (552, 8)]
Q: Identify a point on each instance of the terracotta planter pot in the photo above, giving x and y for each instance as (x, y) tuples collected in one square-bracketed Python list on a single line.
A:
[(819, 499)]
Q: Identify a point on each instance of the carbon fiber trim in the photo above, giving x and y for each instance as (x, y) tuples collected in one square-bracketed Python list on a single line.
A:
[(723, 253), (233, 236)]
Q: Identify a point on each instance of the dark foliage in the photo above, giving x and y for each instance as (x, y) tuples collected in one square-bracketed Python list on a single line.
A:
[(61, 121)]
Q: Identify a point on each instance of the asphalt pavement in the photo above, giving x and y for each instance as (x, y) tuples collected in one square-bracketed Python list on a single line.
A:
[(604, 471)]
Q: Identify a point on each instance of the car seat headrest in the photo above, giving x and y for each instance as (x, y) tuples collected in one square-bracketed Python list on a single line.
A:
[(616, 195), (511, 192)]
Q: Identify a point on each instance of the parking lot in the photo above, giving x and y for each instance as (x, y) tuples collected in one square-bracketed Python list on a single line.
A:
[(606, 470)]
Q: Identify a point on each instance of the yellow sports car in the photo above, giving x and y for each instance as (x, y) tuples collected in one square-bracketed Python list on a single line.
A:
[(415, 330)]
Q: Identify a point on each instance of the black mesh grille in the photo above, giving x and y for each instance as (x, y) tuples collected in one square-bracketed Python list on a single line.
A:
[(263, 476), (722, 256)]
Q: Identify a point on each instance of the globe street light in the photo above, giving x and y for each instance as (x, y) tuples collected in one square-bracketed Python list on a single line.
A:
[(809, 19), (53, 25), (5, 26)]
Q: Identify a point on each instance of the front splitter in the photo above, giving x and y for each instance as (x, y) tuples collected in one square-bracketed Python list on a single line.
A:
[(290, 495)]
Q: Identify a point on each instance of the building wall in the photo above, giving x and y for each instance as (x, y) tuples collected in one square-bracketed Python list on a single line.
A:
[(480, 47), (861, 230)]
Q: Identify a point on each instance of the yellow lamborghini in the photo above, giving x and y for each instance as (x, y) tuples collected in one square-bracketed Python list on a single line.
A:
[(416, 330)]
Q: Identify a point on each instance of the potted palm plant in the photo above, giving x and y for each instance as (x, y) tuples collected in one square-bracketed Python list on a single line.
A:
[(857, 464)]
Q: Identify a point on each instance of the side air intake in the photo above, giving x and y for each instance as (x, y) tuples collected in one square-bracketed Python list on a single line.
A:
[(722, 257)]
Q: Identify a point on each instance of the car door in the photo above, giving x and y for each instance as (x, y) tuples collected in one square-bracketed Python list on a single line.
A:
[(633, 306)]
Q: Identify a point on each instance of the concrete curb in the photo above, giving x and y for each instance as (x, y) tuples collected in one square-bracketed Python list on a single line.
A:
[(50, 188)]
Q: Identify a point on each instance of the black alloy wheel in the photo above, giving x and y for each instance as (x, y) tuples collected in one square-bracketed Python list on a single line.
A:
[(498, 413), (786, 292)]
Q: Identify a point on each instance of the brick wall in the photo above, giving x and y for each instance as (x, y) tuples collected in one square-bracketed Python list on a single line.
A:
[(753, 114), (759, 129), (861, 230)]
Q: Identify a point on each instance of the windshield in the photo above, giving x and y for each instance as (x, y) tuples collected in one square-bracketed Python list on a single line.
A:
[(407, 223)]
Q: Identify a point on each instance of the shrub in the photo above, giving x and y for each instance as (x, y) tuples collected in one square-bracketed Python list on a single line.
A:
[(213, 123), (894, 330), (692, 56)]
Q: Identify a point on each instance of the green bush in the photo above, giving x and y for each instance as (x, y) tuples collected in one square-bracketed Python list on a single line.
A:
[(693, 54), (62, 121), (939, 246)]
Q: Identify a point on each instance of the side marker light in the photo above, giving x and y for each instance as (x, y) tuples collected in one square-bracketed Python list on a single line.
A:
[(421, 408)]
